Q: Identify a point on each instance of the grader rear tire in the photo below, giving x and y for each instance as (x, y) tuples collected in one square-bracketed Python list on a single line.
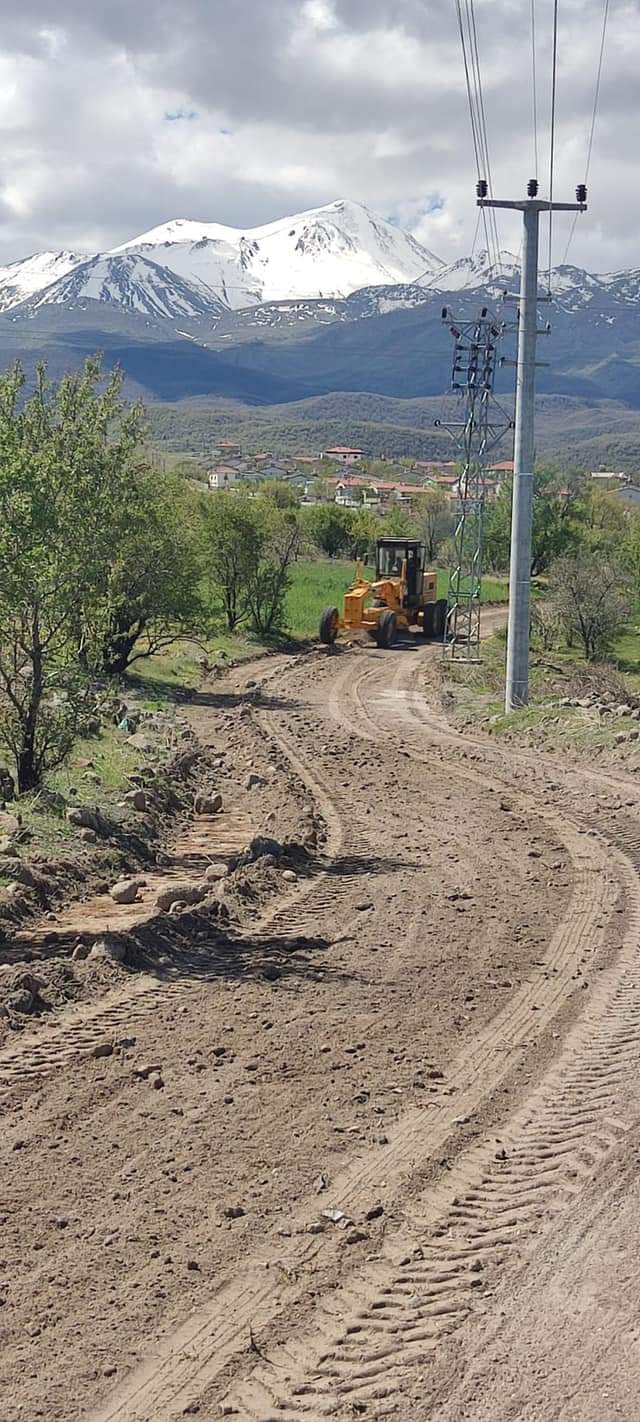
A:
[(329, 625), (440, 617), (428, 619)]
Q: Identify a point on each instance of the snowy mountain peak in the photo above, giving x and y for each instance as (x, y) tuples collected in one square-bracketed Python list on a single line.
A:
[(479, 270), (179, 229), (327, 251), (186, 269), (132, 283), (21, 280)]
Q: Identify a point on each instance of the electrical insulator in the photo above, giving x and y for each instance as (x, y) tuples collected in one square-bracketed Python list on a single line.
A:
[(532, 187), (581, 193), (482, 188)]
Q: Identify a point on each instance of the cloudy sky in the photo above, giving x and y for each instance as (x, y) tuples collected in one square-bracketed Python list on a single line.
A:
[(117, 116)]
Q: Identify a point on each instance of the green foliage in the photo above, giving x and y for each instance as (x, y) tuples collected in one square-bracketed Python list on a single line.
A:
[(605, 521), (281, 493), (590, 598), (249, 545), (231, 540), (366, 527), (148, 594), (396, 428), (400, 523), (65, 455), (269, 579), (630, 553), (328, 527), (558, 523), (435, 522)]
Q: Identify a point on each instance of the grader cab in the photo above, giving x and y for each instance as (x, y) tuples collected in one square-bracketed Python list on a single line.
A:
[(402, 595)]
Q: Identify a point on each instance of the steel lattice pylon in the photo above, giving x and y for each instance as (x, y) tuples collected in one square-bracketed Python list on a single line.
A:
[(483, 426)]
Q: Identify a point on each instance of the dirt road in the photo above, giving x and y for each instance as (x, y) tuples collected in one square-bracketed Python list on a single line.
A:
[(388, 1103)]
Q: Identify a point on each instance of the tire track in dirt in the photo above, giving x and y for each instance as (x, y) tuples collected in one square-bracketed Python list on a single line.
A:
[(372, 1334), (187, 1364), (391, 1314)]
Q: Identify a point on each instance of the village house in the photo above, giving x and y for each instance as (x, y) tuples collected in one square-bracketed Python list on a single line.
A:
[(226, 449), (353, 492), (222, 476), (343, 455)]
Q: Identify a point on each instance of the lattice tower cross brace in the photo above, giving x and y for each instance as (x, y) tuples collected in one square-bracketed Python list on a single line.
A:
[(483, 425)]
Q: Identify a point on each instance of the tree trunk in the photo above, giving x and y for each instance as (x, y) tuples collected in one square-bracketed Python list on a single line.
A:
[(28, 770), (119, 644)]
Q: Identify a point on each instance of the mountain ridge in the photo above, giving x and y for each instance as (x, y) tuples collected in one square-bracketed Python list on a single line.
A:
[(167, 308)]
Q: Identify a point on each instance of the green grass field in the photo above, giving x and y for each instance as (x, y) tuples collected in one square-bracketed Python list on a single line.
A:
[(320, 584), (315, 584)]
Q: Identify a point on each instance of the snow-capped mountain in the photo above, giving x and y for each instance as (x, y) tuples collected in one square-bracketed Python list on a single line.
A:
[(212, 257), (23, 279), (337, 263), (326, 252), (480, 271), (132, 283)]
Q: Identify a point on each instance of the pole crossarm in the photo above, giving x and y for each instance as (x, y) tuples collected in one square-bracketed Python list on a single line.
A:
[(533, 205)]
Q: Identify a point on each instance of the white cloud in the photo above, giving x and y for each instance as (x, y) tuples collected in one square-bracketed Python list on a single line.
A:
[(298, 102)]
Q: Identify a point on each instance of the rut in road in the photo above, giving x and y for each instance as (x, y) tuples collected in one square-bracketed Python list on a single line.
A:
[(387, 1320), (366, 1337), (186, 1366)]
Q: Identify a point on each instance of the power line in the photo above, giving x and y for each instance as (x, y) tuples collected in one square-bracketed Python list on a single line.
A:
[(472, 115), (482, 121), (534, 88), (596, 98), (473, 79), (552, 146)]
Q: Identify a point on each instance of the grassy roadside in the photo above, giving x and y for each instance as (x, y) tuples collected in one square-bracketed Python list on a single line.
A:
[(559, 679)]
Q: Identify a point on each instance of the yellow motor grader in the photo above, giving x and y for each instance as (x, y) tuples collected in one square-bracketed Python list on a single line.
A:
[(402, 595)]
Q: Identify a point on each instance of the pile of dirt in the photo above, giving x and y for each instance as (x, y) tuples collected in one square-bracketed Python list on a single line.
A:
[(198, 849), (106, 844), (29, 993)]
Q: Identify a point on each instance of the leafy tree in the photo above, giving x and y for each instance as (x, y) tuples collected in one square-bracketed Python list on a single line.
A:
[(283, 494), (328, 527), (150, 595), (232, 549), (322, 489), (605, 521), (557, 523), (365, 529), (590, 597), (630, 552), (435, 521), (400, 523), (66, 455), (249, 545), (269, 579)]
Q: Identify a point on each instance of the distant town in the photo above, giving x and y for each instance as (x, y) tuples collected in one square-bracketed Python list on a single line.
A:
[(346, 475)]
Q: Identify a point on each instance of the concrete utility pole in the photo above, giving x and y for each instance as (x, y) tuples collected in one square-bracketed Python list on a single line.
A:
[(517, 682)]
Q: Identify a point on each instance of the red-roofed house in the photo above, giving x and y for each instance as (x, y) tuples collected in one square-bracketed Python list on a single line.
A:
[(343, 455)]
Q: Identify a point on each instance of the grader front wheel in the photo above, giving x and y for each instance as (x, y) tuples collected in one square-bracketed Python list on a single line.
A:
[(329, 623), (386, 629)]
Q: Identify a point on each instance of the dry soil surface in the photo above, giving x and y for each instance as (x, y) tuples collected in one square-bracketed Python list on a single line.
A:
[(370, 1151)]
